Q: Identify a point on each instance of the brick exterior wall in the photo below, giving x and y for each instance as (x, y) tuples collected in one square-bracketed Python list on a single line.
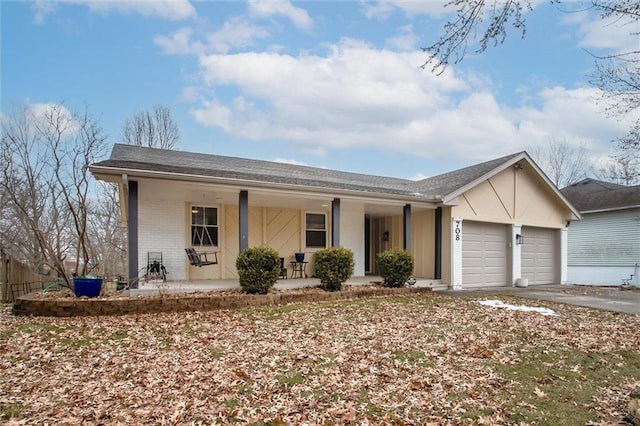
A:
[(161, 228), (30, 305)]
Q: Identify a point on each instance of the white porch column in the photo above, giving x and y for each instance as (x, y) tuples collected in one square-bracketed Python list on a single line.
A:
[(516, 254), (564, 258), (456, 253)]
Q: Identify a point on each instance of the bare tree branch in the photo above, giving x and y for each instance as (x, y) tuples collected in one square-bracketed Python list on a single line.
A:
[(563, 163), (152, 128)]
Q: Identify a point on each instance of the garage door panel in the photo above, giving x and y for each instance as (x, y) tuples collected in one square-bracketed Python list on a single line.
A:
[(484, 255), (540, 255)]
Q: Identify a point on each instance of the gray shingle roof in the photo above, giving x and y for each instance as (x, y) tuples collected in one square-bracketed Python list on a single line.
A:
[(591, 195), (447, 183), (206, 165)]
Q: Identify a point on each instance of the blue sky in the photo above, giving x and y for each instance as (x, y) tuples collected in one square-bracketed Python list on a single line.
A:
[(320, 83)]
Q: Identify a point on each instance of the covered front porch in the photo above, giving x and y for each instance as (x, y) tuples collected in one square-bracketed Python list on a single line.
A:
[(167, 217)]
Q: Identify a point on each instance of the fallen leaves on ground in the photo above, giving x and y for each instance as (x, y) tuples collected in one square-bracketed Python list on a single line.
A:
[(403, 361)]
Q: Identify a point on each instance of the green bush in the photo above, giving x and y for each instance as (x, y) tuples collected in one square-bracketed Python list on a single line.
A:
[(395, 266), (333, 266), (258, 269)]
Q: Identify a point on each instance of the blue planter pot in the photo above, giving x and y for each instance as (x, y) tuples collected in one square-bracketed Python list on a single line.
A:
[(299, 257), (89, 287)]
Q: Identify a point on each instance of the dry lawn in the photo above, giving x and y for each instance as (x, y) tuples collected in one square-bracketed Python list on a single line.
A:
[(412, 360)]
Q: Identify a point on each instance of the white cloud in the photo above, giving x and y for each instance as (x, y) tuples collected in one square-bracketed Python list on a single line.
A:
[(235, 33), (406, 40), (41, 9), (173, 10), (383, 8), (290, 161), (357, 96), (573, 115), (611, 34), (179, 43), (418, 176), (267, 8), (50, 115)]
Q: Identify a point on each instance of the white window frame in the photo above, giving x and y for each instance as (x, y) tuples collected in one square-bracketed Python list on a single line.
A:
[(326, 229), (216, 226)]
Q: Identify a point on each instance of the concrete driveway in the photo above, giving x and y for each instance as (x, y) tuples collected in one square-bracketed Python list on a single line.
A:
[(607, 298)]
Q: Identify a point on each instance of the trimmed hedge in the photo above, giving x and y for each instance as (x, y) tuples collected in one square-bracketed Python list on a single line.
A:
[(258, 269), (395, 267), (334, 266)]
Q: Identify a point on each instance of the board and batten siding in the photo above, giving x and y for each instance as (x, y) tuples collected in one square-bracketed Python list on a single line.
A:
[(605, 239)]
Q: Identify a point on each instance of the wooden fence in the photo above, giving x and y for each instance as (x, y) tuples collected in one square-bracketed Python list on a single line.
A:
[(17, 279)]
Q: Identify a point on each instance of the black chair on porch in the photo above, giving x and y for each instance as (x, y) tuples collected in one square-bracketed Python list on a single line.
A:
[(283, 269), (155, 268)]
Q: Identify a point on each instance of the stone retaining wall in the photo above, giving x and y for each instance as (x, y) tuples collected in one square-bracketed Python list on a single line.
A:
[(32, 305)]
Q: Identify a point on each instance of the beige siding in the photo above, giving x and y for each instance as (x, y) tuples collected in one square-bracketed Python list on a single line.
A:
[(423, 243), (279, 229), (513, 196)]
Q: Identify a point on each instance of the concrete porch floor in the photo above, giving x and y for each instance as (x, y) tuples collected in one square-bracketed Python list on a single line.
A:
[(146, 288)]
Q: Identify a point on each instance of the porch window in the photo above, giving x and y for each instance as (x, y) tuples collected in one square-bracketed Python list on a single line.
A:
[(316, 230), (204, 226)]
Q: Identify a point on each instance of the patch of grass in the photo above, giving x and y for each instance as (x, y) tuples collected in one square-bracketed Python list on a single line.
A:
[(118, 335), (187, 330), (36, 327), (11, 411), (290, 378), (231, 403), (412, 356), (276, 312), (7, 334), (215, 352), (76, 342), (559, 386)]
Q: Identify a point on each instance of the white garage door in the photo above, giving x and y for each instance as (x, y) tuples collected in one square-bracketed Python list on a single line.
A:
[(540, 255), (484, 254)]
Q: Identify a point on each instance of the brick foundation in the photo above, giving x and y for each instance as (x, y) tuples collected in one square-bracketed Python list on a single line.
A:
[(31, 305)]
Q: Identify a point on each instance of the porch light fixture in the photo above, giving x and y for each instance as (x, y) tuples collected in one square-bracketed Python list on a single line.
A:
[(519, 239), (194, 210)]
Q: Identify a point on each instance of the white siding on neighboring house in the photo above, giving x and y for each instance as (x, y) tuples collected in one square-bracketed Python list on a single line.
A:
[(604, 247), (605, 239)]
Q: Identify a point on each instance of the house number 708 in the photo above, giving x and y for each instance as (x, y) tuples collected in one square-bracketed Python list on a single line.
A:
[(457, 231)]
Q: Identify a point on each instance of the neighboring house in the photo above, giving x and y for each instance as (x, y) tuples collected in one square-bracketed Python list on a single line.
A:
[(604, 248), (463, 228)]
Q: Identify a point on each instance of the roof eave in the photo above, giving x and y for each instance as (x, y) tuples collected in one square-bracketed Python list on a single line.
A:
[(103, 172), (611, 209)]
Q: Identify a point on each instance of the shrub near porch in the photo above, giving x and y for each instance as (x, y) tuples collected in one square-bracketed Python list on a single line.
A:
[(334, 266)]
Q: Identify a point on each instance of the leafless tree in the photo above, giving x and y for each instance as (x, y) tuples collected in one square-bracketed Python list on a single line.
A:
[(109, 236), (562, 162), (624, 168), (154, 128), (46, 179), (478, 24)]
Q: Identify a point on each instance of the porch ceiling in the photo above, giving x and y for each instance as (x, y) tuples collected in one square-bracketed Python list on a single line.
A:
[(264, 197)]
